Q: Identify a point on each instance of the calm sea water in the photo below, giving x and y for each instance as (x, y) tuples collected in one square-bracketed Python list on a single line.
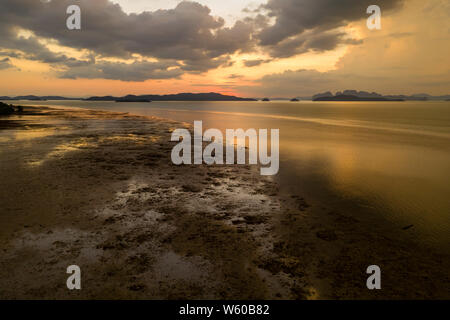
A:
[(386, 158)]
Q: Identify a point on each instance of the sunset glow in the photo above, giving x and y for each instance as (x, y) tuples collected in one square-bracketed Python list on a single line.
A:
[(411, 46)]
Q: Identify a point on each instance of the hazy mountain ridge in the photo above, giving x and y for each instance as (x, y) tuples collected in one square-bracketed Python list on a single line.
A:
[(212, 96), (374, 96), (37, 98)]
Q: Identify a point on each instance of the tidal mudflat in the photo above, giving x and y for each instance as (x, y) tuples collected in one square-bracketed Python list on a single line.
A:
[(98, 189)]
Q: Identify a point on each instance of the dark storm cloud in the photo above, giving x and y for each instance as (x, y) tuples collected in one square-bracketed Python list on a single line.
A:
[(188, 33), (11, 54), (255, 63), (296, 16), (317, 41), (5, 64), (185, 39), (235, 76), (295, 82), (136, 71), (32, 49), (298, 20)]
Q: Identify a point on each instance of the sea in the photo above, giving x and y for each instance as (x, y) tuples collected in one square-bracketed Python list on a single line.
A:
[(389, 159)]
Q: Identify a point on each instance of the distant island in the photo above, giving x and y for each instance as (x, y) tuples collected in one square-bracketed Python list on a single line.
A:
[(137, 99), (343, 97), (172, 97), (346, 95), (37, 98), (353, 95), (211, 96)]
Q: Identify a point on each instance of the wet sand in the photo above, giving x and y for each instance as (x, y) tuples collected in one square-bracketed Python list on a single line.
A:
[(98, 190)]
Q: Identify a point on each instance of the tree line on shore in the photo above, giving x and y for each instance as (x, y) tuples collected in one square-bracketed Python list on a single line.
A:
[(7, 109)]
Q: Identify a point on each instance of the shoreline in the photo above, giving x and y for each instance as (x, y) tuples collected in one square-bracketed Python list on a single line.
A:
[(97, 189)]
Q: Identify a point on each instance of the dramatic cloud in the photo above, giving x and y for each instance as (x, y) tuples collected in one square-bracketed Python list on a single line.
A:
[(136, 71), (294, 83), (303, 25), (5, 64), (409, 55), (317, 41), (188, 33), (30, 48), (184, 40), (255, 63), (235, 76)]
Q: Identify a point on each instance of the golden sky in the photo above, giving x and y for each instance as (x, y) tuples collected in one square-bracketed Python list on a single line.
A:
[(249, 48)]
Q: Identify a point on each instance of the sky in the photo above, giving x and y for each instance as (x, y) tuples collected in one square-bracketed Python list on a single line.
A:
[(230, 10), (256, 48)]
